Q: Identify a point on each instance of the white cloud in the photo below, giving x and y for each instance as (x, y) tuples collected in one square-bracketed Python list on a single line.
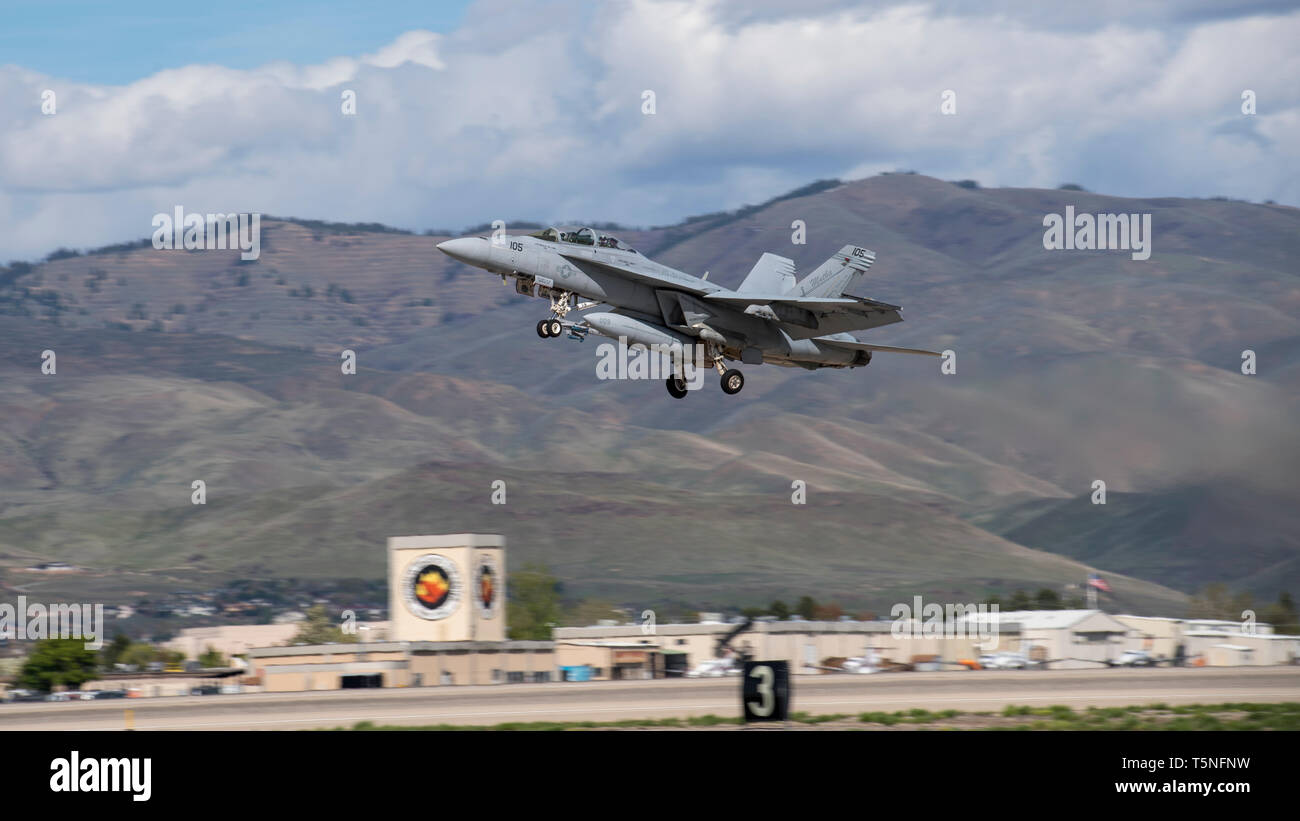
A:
[(535, 111)]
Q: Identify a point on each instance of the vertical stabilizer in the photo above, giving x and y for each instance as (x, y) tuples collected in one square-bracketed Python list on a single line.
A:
[(838, 274), (770, 275)]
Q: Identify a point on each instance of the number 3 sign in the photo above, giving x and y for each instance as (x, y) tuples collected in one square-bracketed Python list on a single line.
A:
[(765, 690)]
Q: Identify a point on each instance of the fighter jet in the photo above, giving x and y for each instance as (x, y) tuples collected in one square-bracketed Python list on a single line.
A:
[(770, 318)]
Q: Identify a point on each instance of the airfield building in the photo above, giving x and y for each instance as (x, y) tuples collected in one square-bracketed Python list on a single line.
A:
[(448, 627), (1212, 642), (1064, 638)]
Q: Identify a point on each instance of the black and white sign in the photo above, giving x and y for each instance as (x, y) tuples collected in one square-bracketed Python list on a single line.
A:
[(765, 690)]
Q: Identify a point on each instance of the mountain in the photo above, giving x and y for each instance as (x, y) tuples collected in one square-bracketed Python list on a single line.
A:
[(1072, 367)]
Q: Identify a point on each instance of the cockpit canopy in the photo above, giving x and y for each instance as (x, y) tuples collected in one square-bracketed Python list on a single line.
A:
[(583, 236)]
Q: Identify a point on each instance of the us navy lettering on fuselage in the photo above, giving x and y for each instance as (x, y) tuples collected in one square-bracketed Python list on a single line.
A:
[(771, 319)]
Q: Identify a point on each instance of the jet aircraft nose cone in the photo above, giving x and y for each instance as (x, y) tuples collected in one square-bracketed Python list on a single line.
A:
[(469, 250)]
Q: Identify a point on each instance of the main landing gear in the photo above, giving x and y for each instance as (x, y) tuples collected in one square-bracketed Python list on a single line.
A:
[(732, 379), (548, 328)]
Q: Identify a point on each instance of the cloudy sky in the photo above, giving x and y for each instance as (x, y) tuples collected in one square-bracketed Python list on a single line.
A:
[(468, 112)]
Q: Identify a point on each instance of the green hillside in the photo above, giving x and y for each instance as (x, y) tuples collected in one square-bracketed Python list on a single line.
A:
[(1072, 367)]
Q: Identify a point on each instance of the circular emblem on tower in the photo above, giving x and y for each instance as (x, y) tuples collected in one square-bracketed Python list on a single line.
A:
[(431, 586), (487, 586)]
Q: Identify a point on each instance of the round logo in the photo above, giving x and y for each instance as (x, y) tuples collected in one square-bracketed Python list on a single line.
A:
[(487, 586), (431, 586)]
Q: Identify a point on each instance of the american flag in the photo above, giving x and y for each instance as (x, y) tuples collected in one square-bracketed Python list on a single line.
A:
[(1098, 582)]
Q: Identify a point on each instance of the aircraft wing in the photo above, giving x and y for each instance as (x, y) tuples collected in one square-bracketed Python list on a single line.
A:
[(863, 346), (843, 304), (843, 312), (641, 271)]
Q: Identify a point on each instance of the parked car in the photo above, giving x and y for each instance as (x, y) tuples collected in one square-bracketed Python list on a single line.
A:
[(110, 694)]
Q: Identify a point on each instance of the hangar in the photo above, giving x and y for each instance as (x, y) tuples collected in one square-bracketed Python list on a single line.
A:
[(1213, 642), (1066, 638)]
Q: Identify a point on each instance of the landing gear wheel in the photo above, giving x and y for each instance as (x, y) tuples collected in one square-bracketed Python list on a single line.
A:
[(676, 387), (542, 330), (553, 327), (732, 381)]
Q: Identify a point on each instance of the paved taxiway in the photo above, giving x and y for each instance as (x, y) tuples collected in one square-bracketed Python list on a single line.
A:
[(615, 700)]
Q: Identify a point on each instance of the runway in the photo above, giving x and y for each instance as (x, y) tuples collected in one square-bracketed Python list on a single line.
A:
[(616, 700)]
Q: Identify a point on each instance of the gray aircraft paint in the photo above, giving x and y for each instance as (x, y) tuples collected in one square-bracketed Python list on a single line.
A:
[(770, 318)]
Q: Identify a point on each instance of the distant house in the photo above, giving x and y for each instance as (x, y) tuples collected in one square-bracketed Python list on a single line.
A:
[(53, 567)]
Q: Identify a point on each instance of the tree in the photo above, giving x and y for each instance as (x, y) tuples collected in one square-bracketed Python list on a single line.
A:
[(1216, 601), (1019, 601), (828, 612), (1047, 599), (317, 628), (1282, 615), (534, 602), (139, 654), (57, 662), (212, 657), (112, 653), (779, 609), (1241, 602), (806, 607)]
